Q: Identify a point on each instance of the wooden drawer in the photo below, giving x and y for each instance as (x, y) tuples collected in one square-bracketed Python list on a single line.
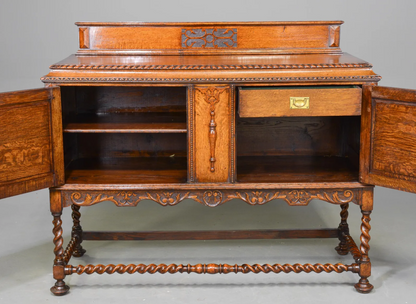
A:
[(321, 101)]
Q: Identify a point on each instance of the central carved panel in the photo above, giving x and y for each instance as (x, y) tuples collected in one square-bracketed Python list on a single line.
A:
[(212, 133), (212, 97), (209, 38)]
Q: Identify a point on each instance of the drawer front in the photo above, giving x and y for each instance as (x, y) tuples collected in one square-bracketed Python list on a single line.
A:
[(299, 101)]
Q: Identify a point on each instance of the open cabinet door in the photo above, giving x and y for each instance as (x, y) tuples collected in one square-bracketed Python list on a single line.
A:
[(388, 138), (31, 156)]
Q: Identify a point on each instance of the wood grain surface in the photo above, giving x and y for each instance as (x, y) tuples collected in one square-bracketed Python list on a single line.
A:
[(168, 38), (388, 149), (212, 148), (323, 101), (26, 160)]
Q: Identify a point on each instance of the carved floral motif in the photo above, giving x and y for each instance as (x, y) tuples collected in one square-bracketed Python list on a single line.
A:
[(212, 198), (166, 198), (298, 197), (257, 197), (127, 198)]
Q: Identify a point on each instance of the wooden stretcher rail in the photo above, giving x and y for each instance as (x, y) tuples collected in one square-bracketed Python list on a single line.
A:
[(69, 250), (209, 268), (353, 248), (209, 235)]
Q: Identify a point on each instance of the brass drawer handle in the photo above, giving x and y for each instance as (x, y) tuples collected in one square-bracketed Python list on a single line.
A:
[(299, 102)]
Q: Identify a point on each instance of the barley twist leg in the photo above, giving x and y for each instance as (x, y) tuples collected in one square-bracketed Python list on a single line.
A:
[(363, 284), (77, 231), (343, 230), (60, 288)]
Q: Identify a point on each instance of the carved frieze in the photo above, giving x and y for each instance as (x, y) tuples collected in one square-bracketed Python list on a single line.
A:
[(126, 198), (210, 198)]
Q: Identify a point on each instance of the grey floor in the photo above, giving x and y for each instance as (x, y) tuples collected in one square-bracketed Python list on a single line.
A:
[(26, 253)]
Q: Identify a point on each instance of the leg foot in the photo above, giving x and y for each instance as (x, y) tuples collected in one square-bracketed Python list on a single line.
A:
[(342, 249), (363, 286), (79, 252), (60, 288)]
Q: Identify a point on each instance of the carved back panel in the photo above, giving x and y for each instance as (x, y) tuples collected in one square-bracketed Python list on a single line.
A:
[(209, 37)]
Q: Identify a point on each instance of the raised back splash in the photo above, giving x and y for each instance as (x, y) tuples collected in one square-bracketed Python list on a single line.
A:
[(209, 38)]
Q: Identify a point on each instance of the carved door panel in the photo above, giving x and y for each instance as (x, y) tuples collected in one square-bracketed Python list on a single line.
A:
[(30, 141), (211, 116), (388, 138)]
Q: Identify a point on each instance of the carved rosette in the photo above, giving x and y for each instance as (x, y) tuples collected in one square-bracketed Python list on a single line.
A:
[(210, 198)]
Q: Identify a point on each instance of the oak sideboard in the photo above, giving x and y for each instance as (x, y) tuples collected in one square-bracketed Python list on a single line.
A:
[(211, 112)]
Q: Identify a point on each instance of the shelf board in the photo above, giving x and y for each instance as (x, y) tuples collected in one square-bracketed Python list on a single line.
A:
[(127, 123), (128, 170), (295, 169), (253, 171)]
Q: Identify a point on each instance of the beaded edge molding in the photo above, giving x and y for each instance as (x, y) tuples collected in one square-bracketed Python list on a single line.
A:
[(48, 79), (208, 67)]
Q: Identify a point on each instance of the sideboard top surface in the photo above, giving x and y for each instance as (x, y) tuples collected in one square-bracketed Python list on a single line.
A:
[(225, 62), (212, 69)]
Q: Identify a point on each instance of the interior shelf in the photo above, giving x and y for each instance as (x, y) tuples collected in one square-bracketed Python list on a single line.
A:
[(294, 168), (127, 170), (125, 134), (165, 122)]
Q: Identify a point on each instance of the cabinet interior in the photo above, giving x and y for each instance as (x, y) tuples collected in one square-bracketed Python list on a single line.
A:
[(126, 135), (297, 149), (122, 135)]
